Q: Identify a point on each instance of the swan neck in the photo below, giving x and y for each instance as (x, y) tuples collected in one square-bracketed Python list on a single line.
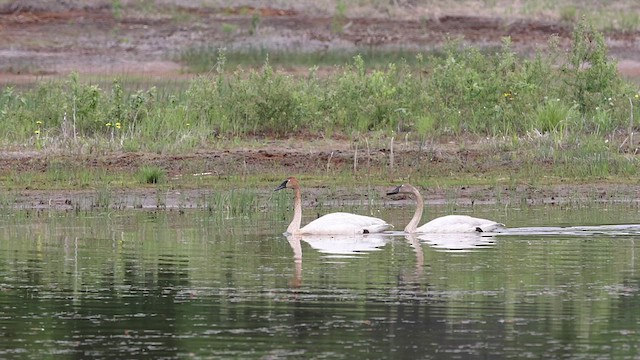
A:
[(294, 226), (413, 224)]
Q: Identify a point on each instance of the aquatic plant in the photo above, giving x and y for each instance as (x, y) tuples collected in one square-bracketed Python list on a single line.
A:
[(232, 203)]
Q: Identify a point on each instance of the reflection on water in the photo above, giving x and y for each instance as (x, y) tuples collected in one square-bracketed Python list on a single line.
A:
[(294, 242), (344, 246), (457, 242), (188, 285), (622, 229)]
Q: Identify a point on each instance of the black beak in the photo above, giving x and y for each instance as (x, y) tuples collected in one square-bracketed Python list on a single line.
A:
[(282, 186), (395, 191)]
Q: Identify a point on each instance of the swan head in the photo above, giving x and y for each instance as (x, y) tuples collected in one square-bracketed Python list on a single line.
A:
[(290, 182), (396, 190), (404, 188)]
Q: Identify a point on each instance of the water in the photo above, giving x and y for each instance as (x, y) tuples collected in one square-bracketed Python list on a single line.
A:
[(138, 284)]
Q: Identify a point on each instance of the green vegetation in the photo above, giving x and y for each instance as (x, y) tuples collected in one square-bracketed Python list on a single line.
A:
[(555, 108), (151, 175), (339, 18), (116, 8), (462, 92)]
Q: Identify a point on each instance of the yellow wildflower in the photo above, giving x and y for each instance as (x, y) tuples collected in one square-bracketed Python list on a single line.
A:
[(118, 125)]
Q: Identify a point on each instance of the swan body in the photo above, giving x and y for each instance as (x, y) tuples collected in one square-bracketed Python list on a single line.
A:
[(458, 224), (344, 223), (339, 223), (446, 224)]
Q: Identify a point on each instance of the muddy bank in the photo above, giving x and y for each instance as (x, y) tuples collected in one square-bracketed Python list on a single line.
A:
[(376, 172), (166, 198)]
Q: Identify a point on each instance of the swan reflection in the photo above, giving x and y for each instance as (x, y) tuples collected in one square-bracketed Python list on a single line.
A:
[(417, 249), (294, 241), (341, 245), (463, 242), (334, 246)]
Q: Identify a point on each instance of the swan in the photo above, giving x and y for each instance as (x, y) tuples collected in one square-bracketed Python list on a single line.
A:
[(445, 224), (339, 223)]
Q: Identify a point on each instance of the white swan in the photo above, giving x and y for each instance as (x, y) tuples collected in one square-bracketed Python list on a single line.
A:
[(331, 224), (445, 224)]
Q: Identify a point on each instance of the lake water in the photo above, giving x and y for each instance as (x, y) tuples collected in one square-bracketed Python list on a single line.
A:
[(192, 284)]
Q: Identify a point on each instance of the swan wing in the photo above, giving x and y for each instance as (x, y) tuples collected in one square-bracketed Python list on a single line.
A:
[(345, 223), (459, 224)]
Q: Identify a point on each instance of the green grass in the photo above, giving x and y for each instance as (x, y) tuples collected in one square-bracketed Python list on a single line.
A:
[(151, 175), (459, 92)]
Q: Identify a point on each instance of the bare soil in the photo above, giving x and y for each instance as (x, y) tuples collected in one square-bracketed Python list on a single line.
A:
[(52, 40)]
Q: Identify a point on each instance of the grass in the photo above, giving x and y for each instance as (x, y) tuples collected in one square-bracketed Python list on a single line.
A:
[(462, 91), (544, 108), (151, 175), (557, 117), (535, 159), (579, 161)]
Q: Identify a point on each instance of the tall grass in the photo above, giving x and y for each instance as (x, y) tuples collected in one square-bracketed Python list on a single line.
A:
[(464, 91), (150, 175)]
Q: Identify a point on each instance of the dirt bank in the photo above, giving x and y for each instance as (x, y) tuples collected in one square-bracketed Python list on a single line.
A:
[(323, 160)]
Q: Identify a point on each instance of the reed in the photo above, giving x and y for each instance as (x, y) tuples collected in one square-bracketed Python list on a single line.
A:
[(149, 174), (232, 203)]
